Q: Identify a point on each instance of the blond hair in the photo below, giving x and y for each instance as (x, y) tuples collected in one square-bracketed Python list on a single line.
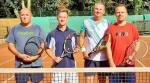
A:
[(63, 10), (99, 3), (25, 9)]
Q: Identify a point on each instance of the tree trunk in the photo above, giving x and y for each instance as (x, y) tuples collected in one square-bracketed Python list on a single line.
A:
[(23, 4), (29, 4)]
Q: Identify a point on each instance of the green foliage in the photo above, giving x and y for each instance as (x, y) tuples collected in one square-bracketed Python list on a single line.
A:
[(48, 7), (137, 6), (10, 8)]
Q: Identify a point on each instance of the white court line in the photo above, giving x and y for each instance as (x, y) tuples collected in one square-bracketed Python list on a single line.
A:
[(13, 76), (5, 62), (6, 81)]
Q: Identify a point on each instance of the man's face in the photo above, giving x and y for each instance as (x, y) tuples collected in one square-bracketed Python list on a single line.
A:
[(25, 16), (62, 18), (121, 13), (99, 10)]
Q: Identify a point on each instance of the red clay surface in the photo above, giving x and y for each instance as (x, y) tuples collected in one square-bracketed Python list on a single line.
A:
[(7, 59)]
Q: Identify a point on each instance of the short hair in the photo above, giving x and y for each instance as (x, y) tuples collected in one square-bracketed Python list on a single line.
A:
[(63, 10), (121, 5), (99, 3), (26, 10)]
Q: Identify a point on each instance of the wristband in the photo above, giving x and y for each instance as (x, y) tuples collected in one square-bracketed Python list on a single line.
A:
[(83, 49)]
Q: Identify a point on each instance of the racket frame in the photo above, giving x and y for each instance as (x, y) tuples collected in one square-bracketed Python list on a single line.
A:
[(137, 47), (40, 47), (65, 52)]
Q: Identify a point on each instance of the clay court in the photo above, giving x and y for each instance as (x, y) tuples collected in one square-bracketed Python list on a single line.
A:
[(7, 60)]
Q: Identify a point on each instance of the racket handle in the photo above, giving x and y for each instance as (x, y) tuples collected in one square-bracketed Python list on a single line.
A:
[(140, 63), (62, 55)]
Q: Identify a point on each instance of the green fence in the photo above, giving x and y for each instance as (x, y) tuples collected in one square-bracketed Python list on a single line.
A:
[(75, 22)]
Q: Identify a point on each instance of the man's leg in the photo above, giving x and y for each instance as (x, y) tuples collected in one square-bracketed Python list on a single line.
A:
[(130, 77), (114, 78), (36, 77), (102, 75), (89, 76), (58, 78), (21, 77), (72, 77)]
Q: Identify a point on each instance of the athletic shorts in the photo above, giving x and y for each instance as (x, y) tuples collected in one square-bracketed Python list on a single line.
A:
[(33, 77), (94, 64)]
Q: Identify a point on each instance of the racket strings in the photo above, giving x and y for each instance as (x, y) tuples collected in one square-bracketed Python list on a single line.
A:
[(34, 46), (36, 40), (31, 48), (136, 52), (68, 47), (142, 50)]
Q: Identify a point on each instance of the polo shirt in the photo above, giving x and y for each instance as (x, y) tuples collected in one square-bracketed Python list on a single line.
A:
[(55, 40)]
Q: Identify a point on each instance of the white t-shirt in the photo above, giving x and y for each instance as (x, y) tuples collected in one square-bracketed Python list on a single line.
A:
[(95, 31)]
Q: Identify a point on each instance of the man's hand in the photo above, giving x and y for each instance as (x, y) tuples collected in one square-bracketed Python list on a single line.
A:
[(86, 55), (58, 59), (27, 58)]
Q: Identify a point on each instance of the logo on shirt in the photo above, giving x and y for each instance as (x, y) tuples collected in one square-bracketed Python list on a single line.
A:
[(122, 34), (25, 33)]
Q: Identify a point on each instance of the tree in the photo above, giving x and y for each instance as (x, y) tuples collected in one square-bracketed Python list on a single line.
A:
[(137, 6), (15, 5)]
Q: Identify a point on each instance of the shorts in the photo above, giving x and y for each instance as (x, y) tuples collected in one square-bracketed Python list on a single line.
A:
[(128, 77), (93, 64), (65, 63), (125, 77), (61, 77), (25, 77)]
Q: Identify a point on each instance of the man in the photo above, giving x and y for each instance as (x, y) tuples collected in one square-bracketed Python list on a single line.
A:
[(93, 30), (122, 35), (55, 48), (16, 42)]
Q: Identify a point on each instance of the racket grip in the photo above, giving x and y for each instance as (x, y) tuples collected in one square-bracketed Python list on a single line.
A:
[(62, 55)]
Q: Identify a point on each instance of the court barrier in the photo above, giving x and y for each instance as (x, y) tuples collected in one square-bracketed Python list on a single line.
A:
[(76, 75), (75, 22)]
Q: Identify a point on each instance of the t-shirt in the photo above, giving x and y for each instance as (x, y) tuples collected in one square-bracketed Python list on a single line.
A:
[(19, 35), (95, 31), (55, 40), (121, 38)]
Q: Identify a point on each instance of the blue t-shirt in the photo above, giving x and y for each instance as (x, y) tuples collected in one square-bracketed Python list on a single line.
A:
[(19, 35), (55, 40)]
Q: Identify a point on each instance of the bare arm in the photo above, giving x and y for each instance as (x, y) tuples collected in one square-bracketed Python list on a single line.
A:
[(24, 57), (13, 49), (109, 55), (49, 51), (81, 39), (109, 52), (82, 43)]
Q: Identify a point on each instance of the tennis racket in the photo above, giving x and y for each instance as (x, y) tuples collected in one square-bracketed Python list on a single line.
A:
[(69, 46), (34, 46), (102, 44), (135, 52)]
